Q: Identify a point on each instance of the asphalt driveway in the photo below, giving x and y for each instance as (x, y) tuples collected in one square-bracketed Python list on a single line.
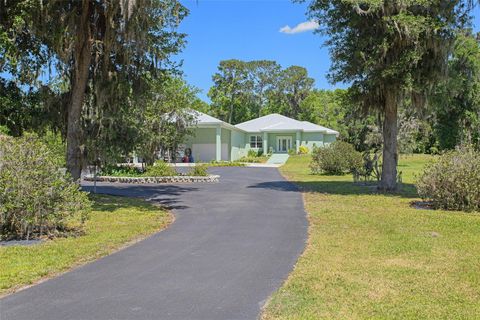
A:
[(232, 244)]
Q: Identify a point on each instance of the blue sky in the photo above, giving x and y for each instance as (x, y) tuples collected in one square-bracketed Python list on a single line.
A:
[(249, 30)]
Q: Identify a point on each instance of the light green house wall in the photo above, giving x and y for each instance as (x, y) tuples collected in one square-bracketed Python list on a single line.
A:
[(201, 135), (238, 142), (311, 139), (226, 133), (238, 145), (329, 138)]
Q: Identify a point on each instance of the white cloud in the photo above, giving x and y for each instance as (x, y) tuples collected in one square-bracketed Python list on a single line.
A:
[(301, 27)]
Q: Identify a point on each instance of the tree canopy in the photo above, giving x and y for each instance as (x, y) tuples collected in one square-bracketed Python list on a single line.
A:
[(244, 90), (103, 50), (389, 50)]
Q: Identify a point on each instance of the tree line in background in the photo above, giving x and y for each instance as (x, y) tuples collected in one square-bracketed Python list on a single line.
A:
[(244, 90)]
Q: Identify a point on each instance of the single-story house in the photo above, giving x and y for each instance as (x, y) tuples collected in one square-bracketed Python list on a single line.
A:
[(214, 139)]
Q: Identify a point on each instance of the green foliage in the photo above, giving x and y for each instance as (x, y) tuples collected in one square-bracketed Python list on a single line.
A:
[(225, 164), (292, 87), (160, 169), (292, 151), (337, 158), (36, 197), (303, 150), (108, 53), (246, 90), (231, 91), (326, 107), (415, 135), (389, 50), (4, 130), (23, 110), (453, 182), (198, 170), (120, 171), (56, 145), (167, 118), (369, 169), (456, 101), (254, 153), (254, 159)]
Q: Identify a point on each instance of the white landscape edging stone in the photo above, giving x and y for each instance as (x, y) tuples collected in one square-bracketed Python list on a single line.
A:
[(167, 179)]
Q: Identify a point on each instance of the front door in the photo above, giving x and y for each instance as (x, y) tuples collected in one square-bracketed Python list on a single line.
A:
[(284, 144)]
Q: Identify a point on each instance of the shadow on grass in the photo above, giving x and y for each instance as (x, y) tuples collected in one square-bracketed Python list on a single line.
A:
[(110, 203), (406, 190), (167, 196)]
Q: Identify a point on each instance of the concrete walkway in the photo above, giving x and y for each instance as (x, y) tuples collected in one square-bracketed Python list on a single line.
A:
[(232, 244), (278, 158)]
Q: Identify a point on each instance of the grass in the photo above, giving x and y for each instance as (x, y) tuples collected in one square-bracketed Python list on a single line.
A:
[(374, 256), (114, 223)]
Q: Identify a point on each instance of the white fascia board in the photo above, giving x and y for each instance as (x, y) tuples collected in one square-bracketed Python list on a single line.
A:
[(280, 130)]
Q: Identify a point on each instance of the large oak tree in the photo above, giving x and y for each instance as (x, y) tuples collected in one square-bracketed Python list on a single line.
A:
[(389, 50), (102, 48)]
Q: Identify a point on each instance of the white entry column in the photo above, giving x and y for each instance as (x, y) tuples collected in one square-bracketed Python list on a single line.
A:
[(297, 146), (265, 142), (218, 144)]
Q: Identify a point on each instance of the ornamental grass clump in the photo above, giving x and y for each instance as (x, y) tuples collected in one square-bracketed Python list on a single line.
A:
[(198, 170), (337, 158), (37, 198), (453, 182)]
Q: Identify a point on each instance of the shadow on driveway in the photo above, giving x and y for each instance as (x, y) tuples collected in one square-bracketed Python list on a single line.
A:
[(168, 196)]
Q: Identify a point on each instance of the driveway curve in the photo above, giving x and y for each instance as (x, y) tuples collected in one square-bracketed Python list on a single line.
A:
[(232, 244)]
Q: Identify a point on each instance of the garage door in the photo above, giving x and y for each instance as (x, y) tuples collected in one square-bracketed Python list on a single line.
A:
[(206, 152)]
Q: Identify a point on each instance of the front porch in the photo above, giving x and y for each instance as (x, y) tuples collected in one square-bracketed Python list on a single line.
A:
[(281, 142)]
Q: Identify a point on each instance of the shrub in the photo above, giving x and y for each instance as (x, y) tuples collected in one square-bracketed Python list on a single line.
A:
[(4, 130), (253, 153), (337, 158), (303, 150), (198, 170), (36, 197), (214, 163), (57, 147), (253, 159), (121, 171), (453, 182), (160, 169)]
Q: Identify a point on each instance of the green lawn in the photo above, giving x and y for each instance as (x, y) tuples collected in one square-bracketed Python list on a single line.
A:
[(372, 256), (114, 223)]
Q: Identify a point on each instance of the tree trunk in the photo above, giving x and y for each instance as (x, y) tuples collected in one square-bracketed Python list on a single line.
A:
[(82, 59), (390, 156)]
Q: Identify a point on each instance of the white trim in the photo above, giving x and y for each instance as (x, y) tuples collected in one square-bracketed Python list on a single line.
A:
[(257, 141), (288, 145)]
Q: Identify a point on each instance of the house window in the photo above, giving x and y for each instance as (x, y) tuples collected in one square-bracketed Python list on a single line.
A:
[(256, 142)]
